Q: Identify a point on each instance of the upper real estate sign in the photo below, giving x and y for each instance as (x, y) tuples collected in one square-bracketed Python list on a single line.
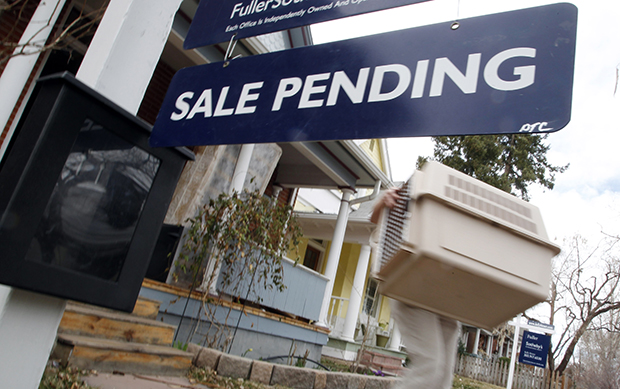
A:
[(498, 74), (218, 21)]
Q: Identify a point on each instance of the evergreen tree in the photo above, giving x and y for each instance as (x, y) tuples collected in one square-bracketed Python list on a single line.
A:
[(508, 162)]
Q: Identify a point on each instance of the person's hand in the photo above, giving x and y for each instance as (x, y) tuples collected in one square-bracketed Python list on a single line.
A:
[(388, 199)]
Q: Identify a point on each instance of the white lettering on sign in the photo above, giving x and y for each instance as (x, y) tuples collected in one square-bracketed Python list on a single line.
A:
[(182, 106), (324, 89), (284, 91), (526, 73), (342, 81), (247, 96), (321, 8), (404, 78), (310, 89), (539, 126), (257, 6), (467, 82), (536, 346)]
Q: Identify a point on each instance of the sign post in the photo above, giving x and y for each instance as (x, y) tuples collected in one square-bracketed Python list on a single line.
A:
[(537, 348), (505, 73)]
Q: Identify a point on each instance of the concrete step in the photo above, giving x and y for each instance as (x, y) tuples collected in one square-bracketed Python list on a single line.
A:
[(115, 356), (80, 319), (146, 308), (385, 363)]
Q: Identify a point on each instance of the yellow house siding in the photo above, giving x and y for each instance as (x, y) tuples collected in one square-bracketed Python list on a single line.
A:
[(372, 147), (345, 274), (385, 313), (303, 244)]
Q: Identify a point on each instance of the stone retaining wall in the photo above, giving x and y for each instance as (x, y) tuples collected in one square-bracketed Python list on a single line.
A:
[(273, 374)]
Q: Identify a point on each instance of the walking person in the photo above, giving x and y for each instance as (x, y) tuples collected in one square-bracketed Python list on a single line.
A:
[(430, 339)]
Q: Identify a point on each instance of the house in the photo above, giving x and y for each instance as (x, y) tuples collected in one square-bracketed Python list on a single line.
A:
[(130, 58), (357, 312), (129, 51)]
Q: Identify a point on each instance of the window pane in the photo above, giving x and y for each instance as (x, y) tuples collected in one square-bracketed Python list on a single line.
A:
[(370, 300), (98, 199), (311, 258)]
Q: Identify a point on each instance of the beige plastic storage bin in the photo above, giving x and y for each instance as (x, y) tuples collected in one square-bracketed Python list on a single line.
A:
[(469, 251)]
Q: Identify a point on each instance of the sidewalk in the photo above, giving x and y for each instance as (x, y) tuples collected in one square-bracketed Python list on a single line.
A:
[(131, 381)]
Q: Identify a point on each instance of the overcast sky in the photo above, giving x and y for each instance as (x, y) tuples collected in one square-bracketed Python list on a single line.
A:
[(586, 198)]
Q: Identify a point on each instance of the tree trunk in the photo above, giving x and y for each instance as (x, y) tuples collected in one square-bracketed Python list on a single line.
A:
[(570, 350)]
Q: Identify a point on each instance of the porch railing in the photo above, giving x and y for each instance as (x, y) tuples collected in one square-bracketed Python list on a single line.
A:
[(302, 296), (336, 314)]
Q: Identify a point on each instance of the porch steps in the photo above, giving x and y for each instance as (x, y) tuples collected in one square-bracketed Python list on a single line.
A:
[(126, 357), (98, 323), (385, 363), (105, 340)]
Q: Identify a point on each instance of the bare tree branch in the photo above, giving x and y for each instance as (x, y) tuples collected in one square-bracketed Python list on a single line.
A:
[(584, 290), (617, 78), (84, 25)]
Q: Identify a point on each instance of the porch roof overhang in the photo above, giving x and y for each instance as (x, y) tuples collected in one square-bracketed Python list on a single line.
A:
[(328, 165), (321, 226)]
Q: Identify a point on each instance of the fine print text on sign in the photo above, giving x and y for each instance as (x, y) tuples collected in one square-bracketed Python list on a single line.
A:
[(548, 328), (534, 348), (505, 73), (217, 21)]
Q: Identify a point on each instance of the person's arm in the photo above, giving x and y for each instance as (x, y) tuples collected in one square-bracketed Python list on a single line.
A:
[(388, 199)]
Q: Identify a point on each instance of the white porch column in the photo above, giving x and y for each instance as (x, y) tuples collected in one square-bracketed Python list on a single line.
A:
[(395, 339), (489, 344), (334, 253), (357, 293), (28, 321), (238, 179), (477, 341), (28, 325), (125, 50), (119, 64), (18, 69), (242, 167)]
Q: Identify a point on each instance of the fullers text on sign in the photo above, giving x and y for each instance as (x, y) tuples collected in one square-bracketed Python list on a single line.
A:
[(217, 21), (513, 74)]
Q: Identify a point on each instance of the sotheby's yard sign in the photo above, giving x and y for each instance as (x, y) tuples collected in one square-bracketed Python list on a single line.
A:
[(534, 349), (505, 73), (217, 21)]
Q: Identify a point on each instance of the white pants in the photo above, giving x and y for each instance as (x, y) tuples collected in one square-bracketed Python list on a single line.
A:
[(431, 342)]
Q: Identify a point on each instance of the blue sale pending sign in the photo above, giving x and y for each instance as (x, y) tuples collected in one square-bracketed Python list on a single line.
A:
[(534, 349), (505, 73)]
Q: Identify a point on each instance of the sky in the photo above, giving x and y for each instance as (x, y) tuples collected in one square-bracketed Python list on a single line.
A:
[(586, 198)]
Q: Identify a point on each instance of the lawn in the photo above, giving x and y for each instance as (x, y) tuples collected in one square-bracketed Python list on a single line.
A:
[(468, 383)]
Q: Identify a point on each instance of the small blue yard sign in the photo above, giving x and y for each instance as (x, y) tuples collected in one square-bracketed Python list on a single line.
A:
[(534, 349)]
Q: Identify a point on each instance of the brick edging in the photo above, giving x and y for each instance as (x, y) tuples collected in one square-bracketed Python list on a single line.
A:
[(274, 374)]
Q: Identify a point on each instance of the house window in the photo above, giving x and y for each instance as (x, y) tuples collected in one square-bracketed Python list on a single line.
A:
[(314, 255), (371, 300), (311, 259)]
